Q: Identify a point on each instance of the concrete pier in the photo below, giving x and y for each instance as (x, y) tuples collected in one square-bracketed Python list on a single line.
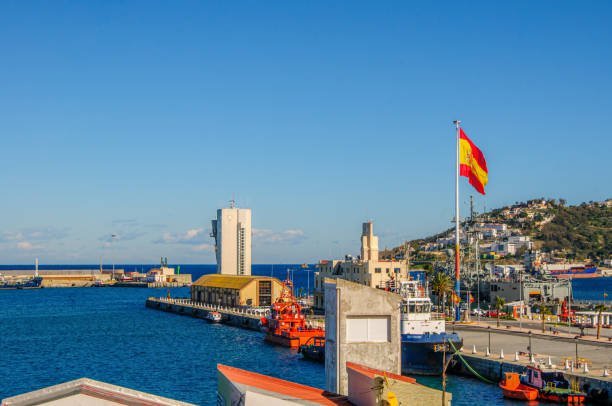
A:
[(246, 319)]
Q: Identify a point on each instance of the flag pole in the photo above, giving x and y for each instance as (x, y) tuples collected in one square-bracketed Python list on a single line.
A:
[(457, 284)]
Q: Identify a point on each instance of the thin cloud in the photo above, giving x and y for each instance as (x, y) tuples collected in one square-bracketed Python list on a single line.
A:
[(267, 236), (202, 247), (196, 236), (34, 234), (27, 246)]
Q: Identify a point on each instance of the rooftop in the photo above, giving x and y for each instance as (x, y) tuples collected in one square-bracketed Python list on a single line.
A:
[(229, 281)]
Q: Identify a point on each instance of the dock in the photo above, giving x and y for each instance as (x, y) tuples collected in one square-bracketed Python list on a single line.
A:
[(238, 317), (243, 318), (491, 351)]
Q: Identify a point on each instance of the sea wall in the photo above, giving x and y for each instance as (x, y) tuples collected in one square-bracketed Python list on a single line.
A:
[(235, 317)]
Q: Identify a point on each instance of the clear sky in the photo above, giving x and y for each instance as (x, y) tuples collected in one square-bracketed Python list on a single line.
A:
[(141, 118)]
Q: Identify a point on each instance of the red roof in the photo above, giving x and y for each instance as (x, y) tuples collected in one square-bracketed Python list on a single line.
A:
[(285, 388), (372, 372)]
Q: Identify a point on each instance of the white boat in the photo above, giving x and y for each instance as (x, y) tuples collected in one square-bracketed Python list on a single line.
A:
[(214, 317)]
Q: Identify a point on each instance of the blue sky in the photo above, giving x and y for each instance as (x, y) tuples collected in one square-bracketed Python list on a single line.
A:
[(142, 118)]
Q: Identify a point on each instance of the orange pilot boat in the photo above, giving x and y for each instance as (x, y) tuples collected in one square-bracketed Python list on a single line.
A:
[(286, 324), (512, 387)]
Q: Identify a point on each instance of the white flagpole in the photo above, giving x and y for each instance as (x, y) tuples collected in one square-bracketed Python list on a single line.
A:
[(457, 284)]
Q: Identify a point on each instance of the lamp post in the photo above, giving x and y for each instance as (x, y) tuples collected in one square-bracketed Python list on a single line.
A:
[(530, 351), (113, 236), (489, 330)]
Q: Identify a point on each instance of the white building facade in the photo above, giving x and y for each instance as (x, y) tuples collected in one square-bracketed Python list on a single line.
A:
[(367, 269), (231, 231)]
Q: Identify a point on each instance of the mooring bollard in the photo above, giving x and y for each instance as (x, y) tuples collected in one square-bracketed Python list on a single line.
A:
[(488, 352), (586, 368), (474, 350), (532, 359), (501, 354), (549, 362), (567, 365), (516, 357), (605, 372)]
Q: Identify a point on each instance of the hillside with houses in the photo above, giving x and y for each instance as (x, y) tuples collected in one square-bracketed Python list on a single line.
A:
[(540, 229)]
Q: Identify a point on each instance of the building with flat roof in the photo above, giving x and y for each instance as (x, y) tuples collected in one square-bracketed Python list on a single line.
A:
[(367, 269), (236, 290), (231, 231)]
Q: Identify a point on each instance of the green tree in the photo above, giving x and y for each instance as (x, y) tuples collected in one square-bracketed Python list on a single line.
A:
[(600, 308), (441, 284), (500, 302)]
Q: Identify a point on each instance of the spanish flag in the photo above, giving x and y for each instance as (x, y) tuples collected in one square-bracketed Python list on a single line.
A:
[(471, 298), (456, 298), (472, 163)]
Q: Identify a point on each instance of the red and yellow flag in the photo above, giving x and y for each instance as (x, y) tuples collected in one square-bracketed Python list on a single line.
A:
[(472, 163), (456, 298), (471, 298)]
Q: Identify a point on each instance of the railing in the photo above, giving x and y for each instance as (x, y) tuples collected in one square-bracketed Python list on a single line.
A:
[(205, 306), (437, 316)]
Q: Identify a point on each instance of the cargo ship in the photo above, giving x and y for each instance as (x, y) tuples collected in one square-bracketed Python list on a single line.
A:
[(576, 272), (286, 324), (424, 336)]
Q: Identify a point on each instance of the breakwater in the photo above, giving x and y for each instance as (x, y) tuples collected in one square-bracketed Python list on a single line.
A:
[(238, 317), (247, 319)]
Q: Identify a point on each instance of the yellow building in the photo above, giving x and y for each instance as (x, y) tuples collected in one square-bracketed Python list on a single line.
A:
[(236, 290)]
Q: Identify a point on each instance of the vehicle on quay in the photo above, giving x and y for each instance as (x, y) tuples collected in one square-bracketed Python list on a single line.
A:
[(33, 283), (286, 325), (552, 386), (512, 387), (424, 336), (478, 312)]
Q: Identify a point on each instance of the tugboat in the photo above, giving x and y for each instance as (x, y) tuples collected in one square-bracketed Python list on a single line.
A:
[(552, 386), (314, 349), (214, 317), (512, 388), (424, 336), (286, 324)]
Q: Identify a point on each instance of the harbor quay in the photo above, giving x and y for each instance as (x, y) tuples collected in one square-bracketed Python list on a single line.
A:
[(239, 317), (493, 367)]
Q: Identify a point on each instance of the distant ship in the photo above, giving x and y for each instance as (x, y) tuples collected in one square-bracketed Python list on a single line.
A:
[(34, 283), (576, 272), (424, 336)]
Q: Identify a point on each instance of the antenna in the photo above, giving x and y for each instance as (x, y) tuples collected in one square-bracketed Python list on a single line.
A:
[(233, 201)]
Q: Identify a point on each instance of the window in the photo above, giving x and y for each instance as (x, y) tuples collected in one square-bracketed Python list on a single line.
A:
[(376, 270), (368, 329), (397, 270), (387, 270)]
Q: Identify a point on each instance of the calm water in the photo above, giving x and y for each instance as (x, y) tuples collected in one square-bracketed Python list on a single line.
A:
[(49, 336)]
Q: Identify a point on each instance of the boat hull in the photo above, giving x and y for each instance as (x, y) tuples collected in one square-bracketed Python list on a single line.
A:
[(292, 342), (423, 355), (522, 392)]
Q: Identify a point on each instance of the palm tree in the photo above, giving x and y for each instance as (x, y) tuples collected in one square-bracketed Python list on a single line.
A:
[(441, 284), (545, 311), (500, 302), (600, 308)]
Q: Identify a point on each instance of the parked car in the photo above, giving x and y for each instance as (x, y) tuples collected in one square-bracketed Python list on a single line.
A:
[(493, 313), (478, 312)]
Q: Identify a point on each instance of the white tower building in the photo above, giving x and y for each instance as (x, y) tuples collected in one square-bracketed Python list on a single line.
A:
[(232, 233)]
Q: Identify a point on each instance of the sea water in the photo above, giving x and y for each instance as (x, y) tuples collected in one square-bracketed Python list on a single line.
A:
[(50, 336)]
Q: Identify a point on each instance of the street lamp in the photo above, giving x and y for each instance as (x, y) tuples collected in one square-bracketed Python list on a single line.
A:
[(530, 352)]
